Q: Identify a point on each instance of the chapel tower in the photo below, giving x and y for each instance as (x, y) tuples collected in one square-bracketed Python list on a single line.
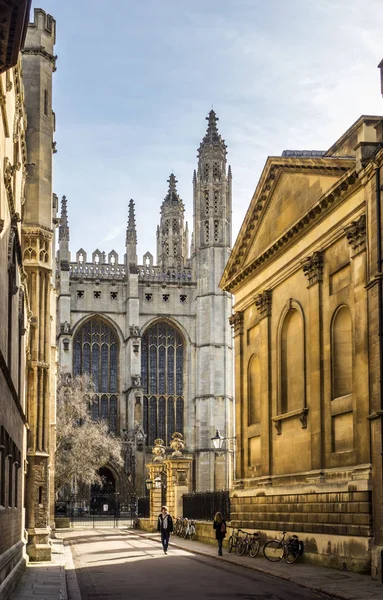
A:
[(172, 236), (214, 352)]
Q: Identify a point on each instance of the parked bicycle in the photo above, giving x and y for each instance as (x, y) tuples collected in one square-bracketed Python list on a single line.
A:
[(250, 543), (290, 550), (190, 529), (233, 539)]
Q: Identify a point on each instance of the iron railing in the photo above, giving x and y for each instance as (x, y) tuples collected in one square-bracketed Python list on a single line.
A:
[(203, 505)]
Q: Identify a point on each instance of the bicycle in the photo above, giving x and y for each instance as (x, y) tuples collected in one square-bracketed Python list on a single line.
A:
[(233, 539), (190, 529), (290, 550), (250, 543)]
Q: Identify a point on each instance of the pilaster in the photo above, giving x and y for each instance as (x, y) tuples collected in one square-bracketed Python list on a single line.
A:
[(313, 269), (356, 236), (236, 321), (263, 305)]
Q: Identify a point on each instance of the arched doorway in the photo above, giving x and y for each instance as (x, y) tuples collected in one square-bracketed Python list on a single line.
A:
[(104, 498)]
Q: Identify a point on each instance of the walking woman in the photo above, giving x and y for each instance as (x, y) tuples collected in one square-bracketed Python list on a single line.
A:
[(220, 530)]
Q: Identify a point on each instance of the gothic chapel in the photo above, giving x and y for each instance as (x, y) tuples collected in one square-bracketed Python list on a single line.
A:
[(156, 337)]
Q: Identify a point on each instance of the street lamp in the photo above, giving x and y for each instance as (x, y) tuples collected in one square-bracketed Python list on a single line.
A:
[(218, 441), (149, 484)]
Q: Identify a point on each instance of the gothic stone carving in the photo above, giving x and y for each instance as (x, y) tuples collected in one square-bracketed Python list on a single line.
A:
[(356, 235), (263, 303), (134, 331), (313, 268), (136, 380)]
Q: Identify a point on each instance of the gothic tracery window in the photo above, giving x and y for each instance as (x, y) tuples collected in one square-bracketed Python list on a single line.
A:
[(162, 365), (95, 351)]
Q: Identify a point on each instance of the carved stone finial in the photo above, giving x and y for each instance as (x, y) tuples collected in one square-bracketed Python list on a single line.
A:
[(158, 450), (64, 226), (131, 232), (356, 234), (236, 321), (263, 303), (177, 444), (313, 268)]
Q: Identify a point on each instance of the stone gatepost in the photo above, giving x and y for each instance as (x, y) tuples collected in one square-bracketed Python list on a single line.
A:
[(172, 475), (179, 477)]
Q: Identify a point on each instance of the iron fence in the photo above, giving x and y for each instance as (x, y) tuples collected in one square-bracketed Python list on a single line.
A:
[(103, 510), (203, 505), (143, 507)]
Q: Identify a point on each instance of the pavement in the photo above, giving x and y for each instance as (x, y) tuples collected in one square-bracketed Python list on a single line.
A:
[(51, 581)]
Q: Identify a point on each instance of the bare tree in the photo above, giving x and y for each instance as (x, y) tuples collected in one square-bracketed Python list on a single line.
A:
[(83, 445)]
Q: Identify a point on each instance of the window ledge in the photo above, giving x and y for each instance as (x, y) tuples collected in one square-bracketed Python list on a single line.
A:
[(301, 413)]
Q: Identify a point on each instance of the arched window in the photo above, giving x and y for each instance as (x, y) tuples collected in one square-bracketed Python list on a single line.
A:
[(292, 362), (96, 352), (162, 366), (254, 391), (342, 353)]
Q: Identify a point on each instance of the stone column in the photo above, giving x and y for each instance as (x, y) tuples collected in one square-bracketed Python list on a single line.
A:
[(263, 304), (313, 269)]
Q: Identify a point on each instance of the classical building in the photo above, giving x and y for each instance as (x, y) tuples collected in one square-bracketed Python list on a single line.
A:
[(20, 318), (155, 335), (306, 273)]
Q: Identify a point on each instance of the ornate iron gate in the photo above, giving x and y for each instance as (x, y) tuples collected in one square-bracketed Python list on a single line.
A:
[(100, 510)]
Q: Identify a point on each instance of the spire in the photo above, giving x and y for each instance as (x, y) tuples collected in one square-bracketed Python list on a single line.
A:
[(64, 227), (172, 196), (212, 137), (131, 232)]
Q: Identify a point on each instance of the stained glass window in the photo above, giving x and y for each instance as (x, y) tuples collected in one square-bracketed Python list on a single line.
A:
[(180, 415), (113, 414), (162, 372), (96, 351)]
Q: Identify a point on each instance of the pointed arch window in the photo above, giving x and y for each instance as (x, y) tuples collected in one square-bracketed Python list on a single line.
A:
[(162, 376), (96, 352)]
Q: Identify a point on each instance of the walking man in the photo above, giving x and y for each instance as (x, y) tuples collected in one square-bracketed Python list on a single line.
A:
[(165, 527)]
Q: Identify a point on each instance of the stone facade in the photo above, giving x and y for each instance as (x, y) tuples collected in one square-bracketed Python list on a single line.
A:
[(309, 407), (132, 308), (21, 315), (38, 240)]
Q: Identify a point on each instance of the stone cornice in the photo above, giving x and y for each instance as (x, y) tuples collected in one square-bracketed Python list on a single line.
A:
[(40, 50), (35, 229), (234, 275)]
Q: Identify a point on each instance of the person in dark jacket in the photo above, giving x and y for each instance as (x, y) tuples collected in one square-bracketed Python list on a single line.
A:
[(220, 530), (165, 527)]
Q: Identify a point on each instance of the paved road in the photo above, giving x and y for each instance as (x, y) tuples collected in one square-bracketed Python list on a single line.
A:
[(119, 565)]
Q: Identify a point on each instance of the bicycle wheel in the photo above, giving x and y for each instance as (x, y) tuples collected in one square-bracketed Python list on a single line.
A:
[(230, 543), (241, 547), (292, 554), (254, 548), (273, 551)]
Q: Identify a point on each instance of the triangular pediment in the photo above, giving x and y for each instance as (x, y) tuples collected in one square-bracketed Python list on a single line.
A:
[(288, 189)]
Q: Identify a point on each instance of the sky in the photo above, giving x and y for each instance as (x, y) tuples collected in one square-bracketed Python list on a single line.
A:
[(136, 79)]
